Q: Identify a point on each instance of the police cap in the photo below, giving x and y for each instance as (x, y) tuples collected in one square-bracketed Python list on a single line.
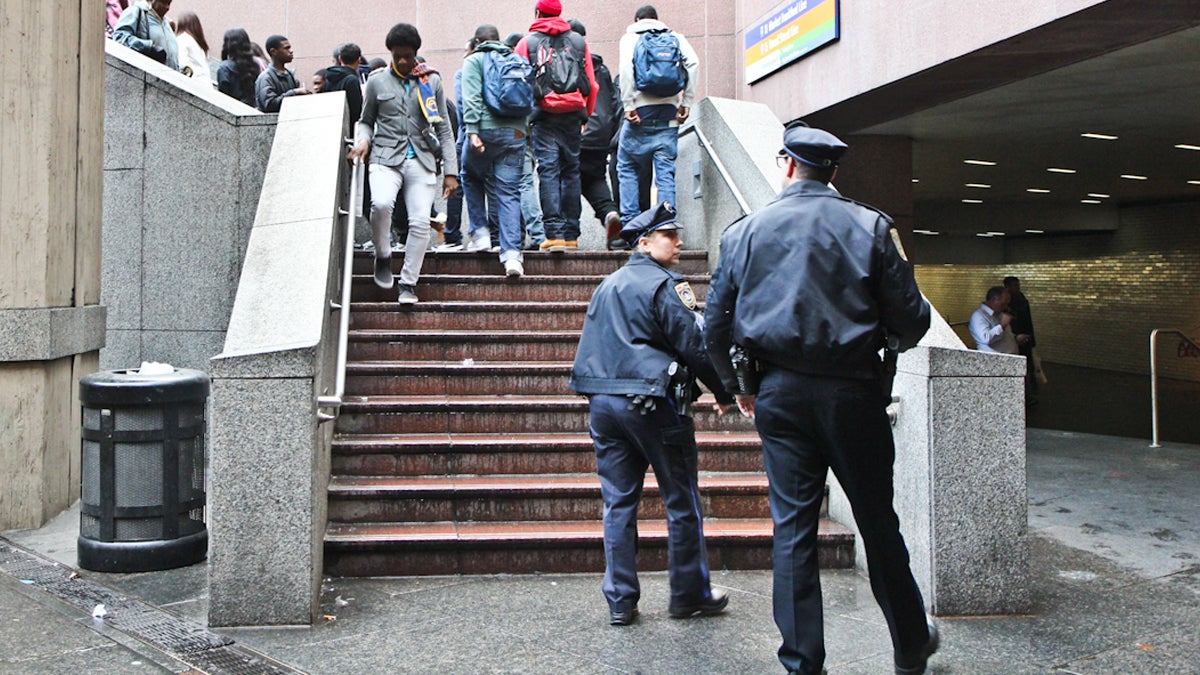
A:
[(812, 146), (661, 217)]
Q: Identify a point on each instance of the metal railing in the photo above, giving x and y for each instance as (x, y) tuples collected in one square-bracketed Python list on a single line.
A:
[(1154, 376), (737, 194), (334, 400)]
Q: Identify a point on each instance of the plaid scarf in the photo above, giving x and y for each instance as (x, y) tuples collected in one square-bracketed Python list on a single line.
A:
[(427, 99)]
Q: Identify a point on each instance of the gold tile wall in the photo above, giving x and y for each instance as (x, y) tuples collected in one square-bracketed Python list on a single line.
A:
[(1095, 297)]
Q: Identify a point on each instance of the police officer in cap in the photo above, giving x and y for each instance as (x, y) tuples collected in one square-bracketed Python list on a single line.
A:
[(641, 348), (812, 287)]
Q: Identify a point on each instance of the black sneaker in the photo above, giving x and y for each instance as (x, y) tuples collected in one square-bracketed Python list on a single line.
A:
[(383, 272)]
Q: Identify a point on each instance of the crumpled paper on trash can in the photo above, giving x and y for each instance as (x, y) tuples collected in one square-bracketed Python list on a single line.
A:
[(155, 368)]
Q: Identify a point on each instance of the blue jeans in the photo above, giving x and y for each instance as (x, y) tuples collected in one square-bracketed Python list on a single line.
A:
[(531, 208), (626, 443), (495, 177), (556, 146), (639, 148)]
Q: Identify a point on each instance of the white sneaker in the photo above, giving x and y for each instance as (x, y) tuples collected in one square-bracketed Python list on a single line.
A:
[(479, 240), (494, 249), (448, 248), (513, 269), (407, 295)]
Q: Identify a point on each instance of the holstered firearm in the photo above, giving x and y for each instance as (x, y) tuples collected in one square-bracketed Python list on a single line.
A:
[(746, 370), (683, 387), (887, 377)]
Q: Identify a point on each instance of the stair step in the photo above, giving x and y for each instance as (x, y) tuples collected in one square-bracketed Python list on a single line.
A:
[(401, 549), (493, 453), (456, 378), (527, 497), (497, 287), (456, 345), (536, 263), (478, 316), (482, 414)]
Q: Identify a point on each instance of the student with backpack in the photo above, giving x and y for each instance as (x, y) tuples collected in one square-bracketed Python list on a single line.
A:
[(497, 99), (658, 77), (565, 89)]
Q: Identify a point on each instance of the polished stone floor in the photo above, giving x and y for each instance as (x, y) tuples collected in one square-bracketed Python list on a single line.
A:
[(1115, 572)]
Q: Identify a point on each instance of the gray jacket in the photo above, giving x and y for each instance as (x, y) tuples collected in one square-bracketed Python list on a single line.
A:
[(392, 120), (140, 29)]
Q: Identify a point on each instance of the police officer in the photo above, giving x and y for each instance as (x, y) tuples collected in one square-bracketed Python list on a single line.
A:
[(811, 286), (641, 338)]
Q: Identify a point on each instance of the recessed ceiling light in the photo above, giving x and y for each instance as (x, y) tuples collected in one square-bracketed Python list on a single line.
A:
[(916, 180), (1055, 169), (1100, 137), (979, 162), (1040, 191), (1090, 201), (1187, 146), (978, 185), (1098, 195), (1194, 182), (1133, 176), (927, 232), (995, 233), (983, 234), (1035, 231), (972, 201)]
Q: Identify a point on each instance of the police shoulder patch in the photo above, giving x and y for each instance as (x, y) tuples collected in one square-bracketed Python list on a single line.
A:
[(686, 295)]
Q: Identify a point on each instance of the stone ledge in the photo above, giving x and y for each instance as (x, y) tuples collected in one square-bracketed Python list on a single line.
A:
[(932, 361), (50, 333)]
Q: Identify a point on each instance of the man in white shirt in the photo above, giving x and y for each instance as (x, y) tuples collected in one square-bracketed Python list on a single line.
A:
[(990, 323)]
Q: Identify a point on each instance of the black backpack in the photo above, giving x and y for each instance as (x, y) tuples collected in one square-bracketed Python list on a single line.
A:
[(558, 64)]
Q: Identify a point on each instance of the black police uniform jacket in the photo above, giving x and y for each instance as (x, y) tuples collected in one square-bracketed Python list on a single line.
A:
[(641, 318), (813, 283)]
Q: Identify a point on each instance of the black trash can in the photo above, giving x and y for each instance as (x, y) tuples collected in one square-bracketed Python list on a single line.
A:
[(142, 507)]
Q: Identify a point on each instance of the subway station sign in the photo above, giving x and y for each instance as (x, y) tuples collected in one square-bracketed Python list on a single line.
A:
[(791, 30)]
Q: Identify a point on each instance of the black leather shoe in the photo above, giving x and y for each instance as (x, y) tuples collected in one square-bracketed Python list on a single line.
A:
[(618, 617), (915, 665), (715, 604)]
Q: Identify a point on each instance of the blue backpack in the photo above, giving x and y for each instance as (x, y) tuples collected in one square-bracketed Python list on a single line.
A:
[(507, 84), (658, 64)]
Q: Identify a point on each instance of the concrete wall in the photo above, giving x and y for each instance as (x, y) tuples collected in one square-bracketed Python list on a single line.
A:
[(270, 451), (183, 167), (1095, 297), (885, 42), (316, 28), (51, 323)]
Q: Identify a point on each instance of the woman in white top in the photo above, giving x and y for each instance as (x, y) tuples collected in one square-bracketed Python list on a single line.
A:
[(193, 48)]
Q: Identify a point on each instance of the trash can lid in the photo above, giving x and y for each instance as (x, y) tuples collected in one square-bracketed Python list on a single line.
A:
[(132, 388)]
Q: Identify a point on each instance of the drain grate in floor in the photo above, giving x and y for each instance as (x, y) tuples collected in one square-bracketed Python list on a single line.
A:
[(183, 640)]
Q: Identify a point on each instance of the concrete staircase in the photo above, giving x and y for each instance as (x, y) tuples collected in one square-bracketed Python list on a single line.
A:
[(461, 450)]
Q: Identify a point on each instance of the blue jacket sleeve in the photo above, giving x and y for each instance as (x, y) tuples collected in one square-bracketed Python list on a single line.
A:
[(719, 313), (903, 311)]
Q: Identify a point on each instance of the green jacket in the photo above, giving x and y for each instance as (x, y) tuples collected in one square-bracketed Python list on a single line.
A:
[(476, 114)]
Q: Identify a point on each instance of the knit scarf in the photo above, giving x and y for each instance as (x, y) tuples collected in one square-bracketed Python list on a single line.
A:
[(427, 98)]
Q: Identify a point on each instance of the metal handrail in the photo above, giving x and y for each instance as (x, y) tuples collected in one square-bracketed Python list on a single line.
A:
[(737, 194), (1154, 376), (335, 400)]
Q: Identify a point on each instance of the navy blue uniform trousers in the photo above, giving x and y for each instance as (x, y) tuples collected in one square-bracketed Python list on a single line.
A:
[(626, 443), (809, 425)]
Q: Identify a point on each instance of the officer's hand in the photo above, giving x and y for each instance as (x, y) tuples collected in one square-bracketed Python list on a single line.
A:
[(745, 403), (477, 144), (633, 117), (724, 409), (681, 114)]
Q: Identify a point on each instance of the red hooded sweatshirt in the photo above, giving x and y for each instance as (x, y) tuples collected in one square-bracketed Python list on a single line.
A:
[(562, 103)]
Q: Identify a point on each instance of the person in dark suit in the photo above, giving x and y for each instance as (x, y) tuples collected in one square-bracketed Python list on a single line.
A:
[(640, 348), (812, 287)]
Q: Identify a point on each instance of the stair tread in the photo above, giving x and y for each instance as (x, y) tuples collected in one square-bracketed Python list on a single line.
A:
[(476, 305), (500, 279), (715, 529), (520, 483), (457, 335), (480, 366), (431, 442)]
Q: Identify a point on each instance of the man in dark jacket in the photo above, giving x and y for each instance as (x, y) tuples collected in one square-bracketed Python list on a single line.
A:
[(593, 148), (813, 286), (641, 334), (277, 81), (344, 77)]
